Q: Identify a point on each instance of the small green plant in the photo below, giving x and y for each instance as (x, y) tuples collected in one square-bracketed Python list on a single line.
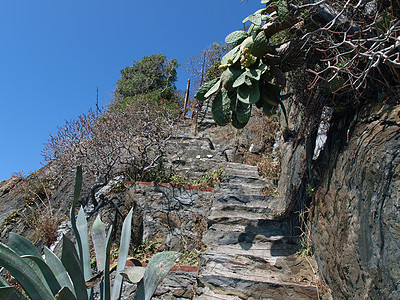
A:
[(12, 218), (118, 187), (305, 250), (71, 276), (190, 258), (209, 179), (310, 190), (146, 250)]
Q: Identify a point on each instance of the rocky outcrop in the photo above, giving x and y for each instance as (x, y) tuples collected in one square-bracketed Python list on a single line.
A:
[(355, 210)]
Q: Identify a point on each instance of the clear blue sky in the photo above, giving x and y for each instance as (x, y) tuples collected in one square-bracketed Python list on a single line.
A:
[(55, 53)]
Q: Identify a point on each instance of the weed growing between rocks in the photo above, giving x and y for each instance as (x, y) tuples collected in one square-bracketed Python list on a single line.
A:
[(11, 218), (146, 250), (209, 179)]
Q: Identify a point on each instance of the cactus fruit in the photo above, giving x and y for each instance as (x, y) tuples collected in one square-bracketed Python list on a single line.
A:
[(204, 89)]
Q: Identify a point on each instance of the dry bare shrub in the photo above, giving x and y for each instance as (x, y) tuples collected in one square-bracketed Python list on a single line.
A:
[(269, 166), (45, 225), (130, 136)]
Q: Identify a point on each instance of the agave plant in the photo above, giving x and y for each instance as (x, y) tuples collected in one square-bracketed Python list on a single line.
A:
[(71, 276), (247, 79)]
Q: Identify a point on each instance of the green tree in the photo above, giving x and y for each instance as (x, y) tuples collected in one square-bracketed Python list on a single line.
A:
[(153, 74)]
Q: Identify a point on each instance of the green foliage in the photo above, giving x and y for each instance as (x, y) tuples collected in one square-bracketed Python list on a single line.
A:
[(208, 179), (71, 276), (12, 218), (310, 190), (305, 250), (246, 80), (153, 74), (118, 187)]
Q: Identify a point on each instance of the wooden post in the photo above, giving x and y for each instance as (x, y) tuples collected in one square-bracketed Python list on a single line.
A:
[(186, 98)]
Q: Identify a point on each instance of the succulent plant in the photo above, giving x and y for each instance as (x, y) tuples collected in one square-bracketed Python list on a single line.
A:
[(246, 79), (71, 277)]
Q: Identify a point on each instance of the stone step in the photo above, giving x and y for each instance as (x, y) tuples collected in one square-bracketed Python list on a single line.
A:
[(248, 276), (247, 224), (240, 198), (265, 290), (258, 209), (256, 245), (288, 269), (207, 294)]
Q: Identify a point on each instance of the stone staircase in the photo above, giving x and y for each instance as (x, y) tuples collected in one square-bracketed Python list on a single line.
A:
[(251, 251), (250, 246)]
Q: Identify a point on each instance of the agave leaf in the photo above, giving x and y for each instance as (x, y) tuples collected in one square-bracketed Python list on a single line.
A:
[(49, 278), (65, 294), (123, 255), (220, 109), (82, 227), (107, 283), (24, 274), (236, 38), (213, 90), (230, 55), (99, 242), (77, 192), (265, 1), (22, 246), (11, 293), (58, 269), (71, 262), (204, 89), (157, 269), (133, 274)]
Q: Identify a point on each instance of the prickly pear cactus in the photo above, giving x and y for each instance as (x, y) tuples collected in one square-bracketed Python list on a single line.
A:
[(247, 79)]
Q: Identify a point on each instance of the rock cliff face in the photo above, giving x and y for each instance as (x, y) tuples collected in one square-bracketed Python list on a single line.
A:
[(355, 209)]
